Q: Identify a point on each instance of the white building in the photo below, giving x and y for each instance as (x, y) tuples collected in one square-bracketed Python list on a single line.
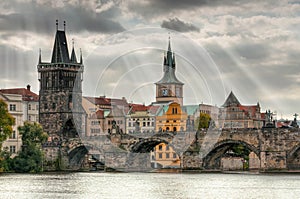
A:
[(23, 106)]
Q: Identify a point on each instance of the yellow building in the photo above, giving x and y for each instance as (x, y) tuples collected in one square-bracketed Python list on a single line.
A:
[(171, 118), (164, 157)]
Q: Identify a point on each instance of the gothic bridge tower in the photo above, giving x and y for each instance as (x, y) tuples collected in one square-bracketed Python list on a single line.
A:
[(169, 88), (60, 111)]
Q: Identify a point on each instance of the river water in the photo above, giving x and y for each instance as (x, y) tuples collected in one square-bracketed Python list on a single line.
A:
[(149, 185)]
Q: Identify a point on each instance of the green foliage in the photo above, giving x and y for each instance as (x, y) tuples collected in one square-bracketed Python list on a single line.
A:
[(241, 151), (203, 121), (30, 158), (6, 122), (5, 160)]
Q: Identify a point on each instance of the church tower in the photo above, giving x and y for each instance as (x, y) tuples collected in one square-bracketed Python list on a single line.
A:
[(169, 88), (60, 110)]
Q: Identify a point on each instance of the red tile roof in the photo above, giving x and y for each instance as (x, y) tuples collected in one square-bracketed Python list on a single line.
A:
[(27, 95), (107, 101), (249, 110), (98, 115), (98, 100), (138, 107)]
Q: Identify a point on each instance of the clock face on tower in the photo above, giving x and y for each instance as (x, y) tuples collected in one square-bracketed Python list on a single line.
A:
[(164, 92)]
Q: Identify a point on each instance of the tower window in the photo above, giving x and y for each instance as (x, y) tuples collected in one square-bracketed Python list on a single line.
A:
[(174, 110)]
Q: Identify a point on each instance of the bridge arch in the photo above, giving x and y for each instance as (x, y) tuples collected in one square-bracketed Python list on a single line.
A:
[(146, 145), (293, 157), (76, 155), (213, 159)]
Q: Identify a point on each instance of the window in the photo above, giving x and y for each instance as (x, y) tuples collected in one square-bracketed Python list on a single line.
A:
[(12, 107), (129, 124), (167, 155), (174, 110), (29, 118), (174, 155), (29, 106), (12, 149), (160, 147), (13, 135), (167, 148), (160, 155), (53, 106)]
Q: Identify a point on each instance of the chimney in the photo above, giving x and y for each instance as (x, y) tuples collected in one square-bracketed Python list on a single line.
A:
[(28, 87)]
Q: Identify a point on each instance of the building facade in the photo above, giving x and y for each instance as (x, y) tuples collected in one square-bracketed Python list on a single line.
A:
[(23, 106), (171, 119), (235, 115), (140, 120), (164, 156)]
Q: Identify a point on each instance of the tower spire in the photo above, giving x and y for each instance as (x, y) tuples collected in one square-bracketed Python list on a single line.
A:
[(80, 56), (40, 56), (60, 52), (169, 53)]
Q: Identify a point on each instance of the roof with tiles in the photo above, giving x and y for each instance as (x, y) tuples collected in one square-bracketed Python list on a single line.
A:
[(98, 115), (250, 110), (26, 94)]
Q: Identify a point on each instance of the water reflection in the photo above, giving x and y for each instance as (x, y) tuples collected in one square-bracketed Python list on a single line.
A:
[(148, 185)]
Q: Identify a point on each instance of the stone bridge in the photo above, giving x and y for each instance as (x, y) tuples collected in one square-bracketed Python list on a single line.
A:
[(275, 149)]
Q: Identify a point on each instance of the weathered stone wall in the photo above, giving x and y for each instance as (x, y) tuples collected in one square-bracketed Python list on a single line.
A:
[(191, 160), (275, 146), (254, 161), (232, 163), (126, 161)]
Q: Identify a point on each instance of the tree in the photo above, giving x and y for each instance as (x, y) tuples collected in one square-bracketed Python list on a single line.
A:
[(6, 122), (30, 158), (5, 160), (203, 121)]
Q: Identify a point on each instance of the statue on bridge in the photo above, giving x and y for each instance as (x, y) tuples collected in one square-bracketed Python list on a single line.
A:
[(294, 122), (269, 122)]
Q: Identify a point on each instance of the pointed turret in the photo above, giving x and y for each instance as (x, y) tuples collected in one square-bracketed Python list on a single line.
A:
[(40, 56), (60, 52), (80, 57), (73, 55), (173, 63)]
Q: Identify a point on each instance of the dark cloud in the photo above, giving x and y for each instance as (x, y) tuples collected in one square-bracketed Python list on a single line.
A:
[(150, 8), (178, 25), (40, 18)]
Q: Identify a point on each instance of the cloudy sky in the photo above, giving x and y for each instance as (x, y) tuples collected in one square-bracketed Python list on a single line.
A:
[(249, 47)]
